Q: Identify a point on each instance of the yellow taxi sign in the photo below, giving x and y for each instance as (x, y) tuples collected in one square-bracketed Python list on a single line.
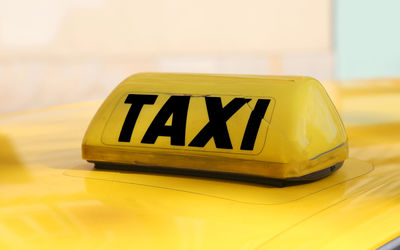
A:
[(262, 126)]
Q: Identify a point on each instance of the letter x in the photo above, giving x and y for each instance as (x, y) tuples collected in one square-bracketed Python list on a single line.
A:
[(216, 127)]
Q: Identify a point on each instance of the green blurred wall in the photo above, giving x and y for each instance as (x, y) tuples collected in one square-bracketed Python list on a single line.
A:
[(367, 38)]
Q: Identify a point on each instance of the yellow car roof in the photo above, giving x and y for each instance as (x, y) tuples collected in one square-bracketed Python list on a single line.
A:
[(51, 198)]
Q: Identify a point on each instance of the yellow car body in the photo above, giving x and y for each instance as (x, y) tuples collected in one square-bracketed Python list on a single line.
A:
[(52, 199)]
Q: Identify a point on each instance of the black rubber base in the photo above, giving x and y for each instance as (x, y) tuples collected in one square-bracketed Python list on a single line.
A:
[(222, 175)]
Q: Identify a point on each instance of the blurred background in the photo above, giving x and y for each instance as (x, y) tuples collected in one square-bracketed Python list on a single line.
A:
[(56, 52)]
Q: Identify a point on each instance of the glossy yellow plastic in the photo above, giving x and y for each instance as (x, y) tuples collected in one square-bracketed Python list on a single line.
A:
[(281, 127), (52, 199)]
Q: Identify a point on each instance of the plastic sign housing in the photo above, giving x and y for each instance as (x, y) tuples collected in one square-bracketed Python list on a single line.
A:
[(262, 126)]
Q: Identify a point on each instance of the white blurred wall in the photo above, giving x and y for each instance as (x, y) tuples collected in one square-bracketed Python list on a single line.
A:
[(61, 51)]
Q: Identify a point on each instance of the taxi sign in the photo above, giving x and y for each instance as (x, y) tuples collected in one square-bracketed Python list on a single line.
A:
[(258, 126)]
